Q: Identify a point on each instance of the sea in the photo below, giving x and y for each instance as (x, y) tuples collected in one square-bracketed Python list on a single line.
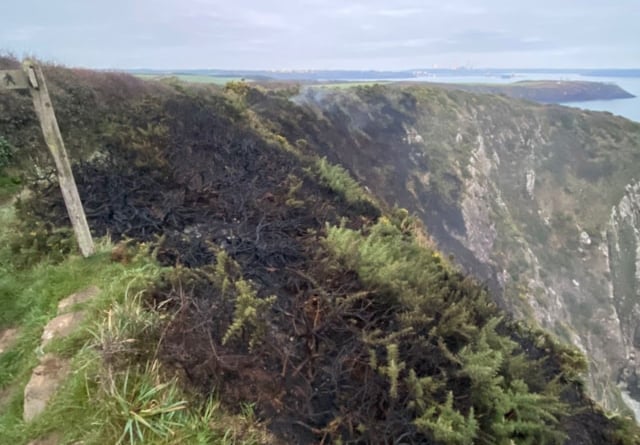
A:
[(629, 108)]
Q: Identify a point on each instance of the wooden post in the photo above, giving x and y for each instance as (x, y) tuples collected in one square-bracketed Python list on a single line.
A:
[(53, 138)]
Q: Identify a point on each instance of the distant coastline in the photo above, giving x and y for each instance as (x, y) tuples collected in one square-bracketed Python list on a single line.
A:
[(548, 91), (612, 90), (436, 74)]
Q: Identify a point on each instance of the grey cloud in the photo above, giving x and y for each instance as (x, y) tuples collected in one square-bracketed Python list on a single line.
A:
[(492, 41), (381, 34)]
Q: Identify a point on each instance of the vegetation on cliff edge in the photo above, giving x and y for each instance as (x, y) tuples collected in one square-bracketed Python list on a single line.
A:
[(274, 282)]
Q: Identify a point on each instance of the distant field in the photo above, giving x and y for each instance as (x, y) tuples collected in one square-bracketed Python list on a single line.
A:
[(353, 84), (194, 78), (222, 80)]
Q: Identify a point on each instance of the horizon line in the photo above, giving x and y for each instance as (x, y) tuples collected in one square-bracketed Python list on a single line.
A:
[(286, 70)]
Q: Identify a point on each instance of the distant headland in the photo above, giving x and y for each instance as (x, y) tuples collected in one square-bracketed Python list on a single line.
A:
[(547, 91)]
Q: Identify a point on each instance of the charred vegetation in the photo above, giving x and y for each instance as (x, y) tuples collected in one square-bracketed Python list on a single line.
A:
[(351, 329)]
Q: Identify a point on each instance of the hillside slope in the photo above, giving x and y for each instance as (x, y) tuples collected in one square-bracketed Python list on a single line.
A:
[(539, 201), (289, 286)]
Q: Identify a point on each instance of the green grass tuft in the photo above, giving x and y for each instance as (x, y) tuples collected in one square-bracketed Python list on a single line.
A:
[(116, 393)]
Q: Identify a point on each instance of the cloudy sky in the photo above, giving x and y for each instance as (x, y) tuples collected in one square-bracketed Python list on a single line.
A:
[(325, 34)]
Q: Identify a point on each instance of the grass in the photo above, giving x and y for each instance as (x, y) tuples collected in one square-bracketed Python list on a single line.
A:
[(9, 186), (340, 181), (117, 392), (222, 80)]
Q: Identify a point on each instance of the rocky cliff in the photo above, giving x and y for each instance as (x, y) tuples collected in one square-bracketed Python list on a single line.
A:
[(623, 238), (538, 201)]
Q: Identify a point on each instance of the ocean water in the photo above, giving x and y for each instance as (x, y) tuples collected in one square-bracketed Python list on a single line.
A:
[(629, 108)]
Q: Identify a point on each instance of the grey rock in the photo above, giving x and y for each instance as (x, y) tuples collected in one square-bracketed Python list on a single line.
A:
[(61, 326), (80, 297), (45, 380)]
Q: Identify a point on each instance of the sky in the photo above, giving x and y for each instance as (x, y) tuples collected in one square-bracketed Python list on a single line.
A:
[(324, 34)]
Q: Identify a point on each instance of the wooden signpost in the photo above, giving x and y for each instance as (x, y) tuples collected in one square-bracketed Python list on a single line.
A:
[(31, 78)]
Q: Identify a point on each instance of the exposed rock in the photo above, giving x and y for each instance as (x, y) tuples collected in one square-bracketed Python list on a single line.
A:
[(412, 136), (62, 326), (585, 239), (52, 370), (530, 178), (80, 297), (45, 380), (481, 231), (623, 236)]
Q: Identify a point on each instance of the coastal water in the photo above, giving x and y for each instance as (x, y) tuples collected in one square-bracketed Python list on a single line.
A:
[(629, 108)]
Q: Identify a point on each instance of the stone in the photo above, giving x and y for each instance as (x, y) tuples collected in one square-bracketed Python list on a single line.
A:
[(7, 339), (585, 239), (530, 178), (61, 326), (80, 297), (413, 137), (45, 380)]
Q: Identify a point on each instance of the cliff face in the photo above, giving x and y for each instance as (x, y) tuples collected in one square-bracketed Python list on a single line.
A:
[(623, 238), (538, 201)]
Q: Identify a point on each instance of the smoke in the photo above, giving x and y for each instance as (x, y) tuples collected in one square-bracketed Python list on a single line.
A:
[(334, 103)]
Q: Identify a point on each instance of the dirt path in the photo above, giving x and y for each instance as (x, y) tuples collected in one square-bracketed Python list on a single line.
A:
[(52, 370)]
